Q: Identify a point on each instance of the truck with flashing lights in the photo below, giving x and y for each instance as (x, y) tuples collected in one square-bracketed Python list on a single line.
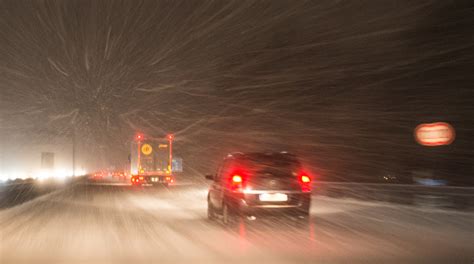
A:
[(151, 160)]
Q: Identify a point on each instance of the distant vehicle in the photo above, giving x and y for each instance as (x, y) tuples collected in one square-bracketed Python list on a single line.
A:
[(389, 178), (97, 176), (259, 183), (119, 175), (151, 161)]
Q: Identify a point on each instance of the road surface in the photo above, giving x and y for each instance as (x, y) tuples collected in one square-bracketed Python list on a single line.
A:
[(119, 224)]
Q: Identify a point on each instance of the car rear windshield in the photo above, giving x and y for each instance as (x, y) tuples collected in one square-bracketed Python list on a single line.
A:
[(277, 165)]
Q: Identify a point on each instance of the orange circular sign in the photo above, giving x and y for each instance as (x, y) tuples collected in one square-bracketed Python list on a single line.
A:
[(434, 134), (147, 149)]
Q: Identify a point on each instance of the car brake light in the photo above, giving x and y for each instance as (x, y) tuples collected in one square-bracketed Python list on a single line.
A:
[(305, 179), (237, 179), (236, 182), (305, 182)]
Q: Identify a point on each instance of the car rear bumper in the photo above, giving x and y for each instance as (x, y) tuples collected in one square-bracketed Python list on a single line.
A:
[(248, 205), (273, 210), (152, 179)]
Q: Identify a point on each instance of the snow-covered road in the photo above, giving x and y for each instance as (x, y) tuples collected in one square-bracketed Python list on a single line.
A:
[(119, 224)]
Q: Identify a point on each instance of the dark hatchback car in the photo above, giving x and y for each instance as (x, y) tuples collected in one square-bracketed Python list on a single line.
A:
[(250, 184)]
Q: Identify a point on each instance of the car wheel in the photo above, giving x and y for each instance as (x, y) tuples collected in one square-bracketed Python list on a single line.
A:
[(230, 217), (227, 215), (211, 214), (305, 213)]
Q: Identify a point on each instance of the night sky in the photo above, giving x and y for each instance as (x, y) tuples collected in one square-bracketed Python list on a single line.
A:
[(341, 83)]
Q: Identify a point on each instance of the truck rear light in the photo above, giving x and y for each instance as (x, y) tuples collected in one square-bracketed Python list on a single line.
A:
[(136, 179), (305, 179)]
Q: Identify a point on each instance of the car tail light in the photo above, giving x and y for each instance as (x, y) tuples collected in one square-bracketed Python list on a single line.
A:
[(236, 179), (305, 179), (236, 182), (305, 182), (135, 179)]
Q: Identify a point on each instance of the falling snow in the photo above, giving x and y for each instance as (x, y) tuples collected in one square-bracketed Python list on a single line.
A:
[(342, 84)]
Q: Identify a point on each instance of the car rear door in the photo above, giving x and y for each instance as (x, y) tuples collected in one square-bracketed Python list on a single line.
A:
[(273, 181)]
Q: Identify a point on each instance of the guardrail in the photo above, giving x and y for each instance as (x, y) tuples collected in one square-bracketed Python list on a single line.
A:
[(460, 198), (432, 196), (19, 191)]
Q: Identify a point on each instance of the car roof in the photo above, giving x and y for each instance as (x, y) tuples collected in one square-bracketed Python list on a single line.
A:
[(261, 155)]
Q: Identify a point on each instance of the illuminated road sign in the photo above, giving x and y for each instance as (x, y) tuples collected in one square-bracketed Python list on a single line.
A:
[(434, 134)]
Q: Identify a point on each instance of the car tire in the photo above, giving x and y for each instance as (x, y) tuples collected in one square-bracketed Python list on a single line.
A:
[(305, 209), (211, 213), (228, 217), (305, 213)]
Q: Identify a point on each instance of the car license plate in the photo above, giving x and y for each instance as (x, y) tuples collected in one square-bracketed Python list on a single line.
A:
[(273, 197)]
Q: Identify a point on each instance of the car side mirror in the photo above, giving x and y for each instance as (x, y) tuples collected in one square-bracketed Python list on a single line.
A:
[(209, 177)]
